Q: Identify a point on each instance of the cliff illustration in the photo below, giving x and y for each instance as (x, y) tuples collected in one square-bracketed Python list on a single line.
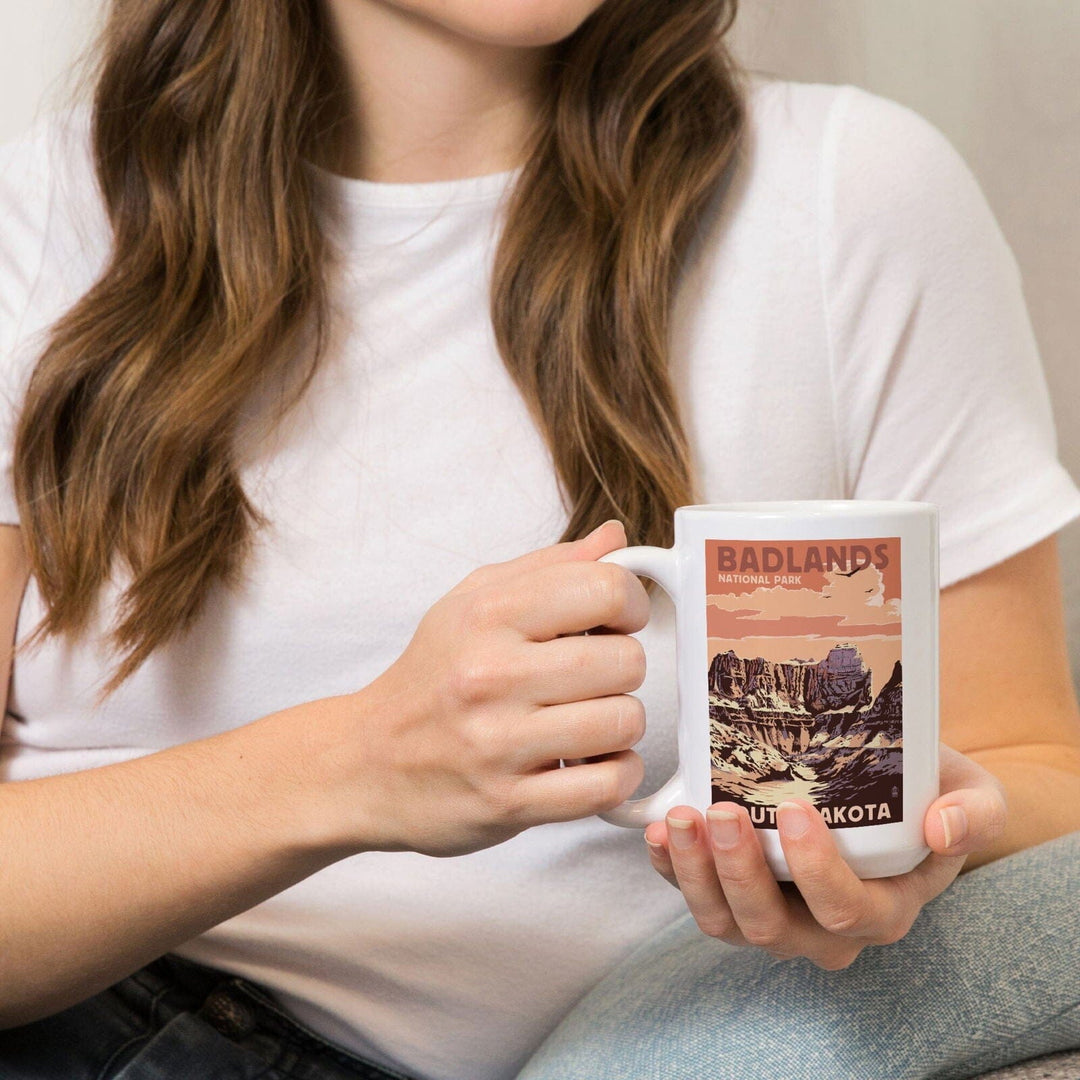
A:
[(804, 727)]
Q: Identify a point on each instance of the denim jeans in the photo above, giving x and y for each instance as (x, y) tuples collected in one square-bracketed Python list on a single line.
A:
[(177, 1020), (988, 975)]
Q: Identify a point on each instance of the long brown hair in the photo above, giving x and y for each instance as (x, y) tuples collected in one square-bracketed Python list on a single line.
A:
[(204, 114)]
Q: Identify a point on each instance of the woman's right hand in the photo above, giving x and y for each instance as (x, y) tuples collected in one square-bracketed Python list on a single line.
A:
[(456, 746)]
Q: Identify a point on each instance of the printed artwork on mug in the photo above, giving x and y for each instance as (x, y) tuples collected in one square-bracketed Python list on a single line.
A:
[(805, 680)]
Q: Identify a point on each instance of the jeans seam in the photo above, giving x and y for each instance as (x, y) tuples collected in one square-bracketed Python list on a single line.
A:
[(135, 1038), (152, 988), (342, 1056)]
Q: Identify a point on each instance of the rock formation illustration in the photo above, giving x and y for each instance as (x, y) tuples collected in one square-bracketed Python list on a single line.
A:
[(804, 727)]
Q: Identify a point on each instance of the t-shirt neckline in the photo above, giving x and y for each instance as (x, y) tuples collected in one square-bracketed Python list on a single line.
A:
[(423, 194)]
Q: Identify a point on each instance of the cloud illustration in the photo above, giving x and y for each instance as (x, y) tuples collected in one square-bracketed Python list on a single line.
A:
[(855, 600)]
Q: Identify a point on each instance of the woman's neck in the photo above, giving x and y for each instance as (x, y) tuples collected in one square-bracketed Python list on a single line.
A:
[(423, 102)]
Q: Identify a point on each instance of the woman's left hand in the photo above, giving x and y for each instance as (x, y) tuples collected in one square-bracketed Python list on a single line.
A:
[(826, 914)]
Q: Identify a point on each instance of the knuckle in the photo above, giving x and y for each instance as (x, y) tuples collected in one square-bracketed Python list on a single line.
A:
[(630, 719), (608, 590), (631, 659), (836, 961), (485, 609), (738, 873), (845, 921), (475, 679), (893, 932), (715, 925), (502, 802), (691, 875), (613, 785), (767, 935), (634, 771), (475, 578), (781, 954), (817, 874), (485, 741), (607, 791)]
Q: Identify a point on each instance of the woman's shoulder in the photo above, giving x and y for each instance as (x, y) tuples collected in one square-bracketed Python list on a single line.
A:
[(789, 110), (55, 232), (850, 137), (864, 179)]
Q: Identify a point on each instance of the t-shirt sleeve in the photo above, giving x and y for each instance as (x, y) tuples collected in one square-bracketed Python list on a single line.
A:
[(939, 390)]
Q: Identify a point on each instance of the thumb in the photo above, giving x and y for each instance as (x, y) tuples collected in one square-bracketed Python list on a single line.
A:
[(604, 538), (971, 811)]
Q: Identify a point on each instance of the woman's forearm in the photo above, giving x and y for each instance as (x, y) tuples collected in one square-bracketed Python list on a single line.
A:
[(105, 869), (1042, 787)]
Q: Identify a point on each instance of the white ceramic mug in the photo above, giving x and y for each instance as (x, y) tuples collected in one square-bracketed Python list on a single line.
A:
[(798, 672)]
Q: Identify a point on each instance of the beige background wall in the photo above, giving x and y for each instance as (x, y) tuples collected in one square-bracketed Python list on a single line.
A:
[(997, 76)]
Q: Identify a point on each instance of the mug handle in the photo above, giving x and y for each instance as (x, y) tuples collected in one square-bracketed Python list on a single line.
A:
[(659, 564)]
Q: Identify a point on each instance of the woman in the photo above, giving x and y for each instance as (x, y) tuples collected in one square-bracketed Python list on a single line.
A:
[(308, 532)]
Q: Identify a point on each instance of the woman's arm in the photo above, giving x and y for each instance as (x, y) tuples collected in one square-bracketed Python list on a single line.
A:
[(105, 869), (1007, 697)]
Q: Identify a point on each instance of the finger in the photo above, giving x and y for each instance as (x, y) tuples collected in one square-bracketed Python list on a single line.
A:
[(695, 872), (579, 729), (569, 597), (660, 858), (947, 819), (777, 917), (566, 794), (555, 601), (600, 541), (760, 909), (806, 937), (570, 669), (840, 902)]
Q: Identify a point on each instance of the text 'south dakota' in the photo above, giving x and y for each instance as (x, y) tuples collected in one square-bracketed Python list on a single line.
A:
[(852, 814)]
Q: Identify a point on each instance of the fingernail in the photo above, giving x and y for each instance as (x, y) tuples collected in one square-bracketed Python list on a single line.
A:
[(955, 823), (608, 522), (658, 848), (792, 819), (724, 827), (682, 833)]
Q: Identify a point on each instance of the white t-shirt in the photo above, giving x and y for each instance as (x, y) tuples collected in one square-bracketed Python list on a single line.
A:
[(851, 325)]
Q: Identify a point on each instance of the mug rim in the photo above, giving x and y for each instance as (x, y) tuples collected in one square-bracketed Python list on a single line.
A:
[(811, 507)]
